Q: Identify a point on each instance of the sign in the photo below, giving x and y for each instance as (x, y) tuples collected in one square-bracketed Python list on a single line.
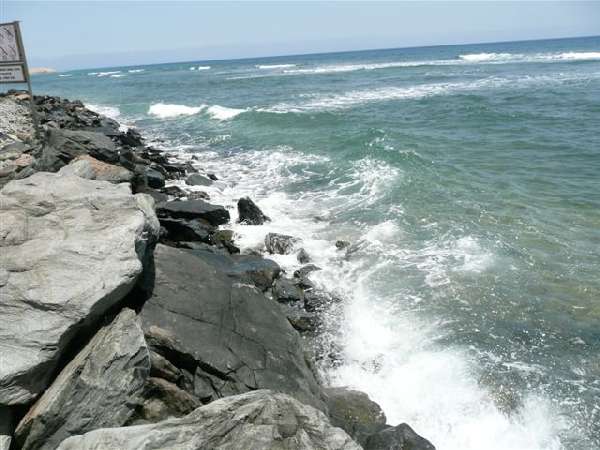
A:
[(10, 49), (12, 74)]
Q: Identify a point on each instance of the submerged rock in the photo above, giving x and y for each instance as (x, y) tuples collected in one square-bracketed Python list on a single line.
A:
[(280, 244), (194, 209), (401, 437), (260, 420), (303, 256), (355, 413), (70, 249), (249, 213), (99, 388), (229, 336)]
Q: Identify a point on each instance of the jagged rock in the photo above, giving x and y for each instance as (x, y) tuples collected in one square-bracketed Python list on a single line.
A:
[(161, 367), (6, 427), (300, 319), (249, 213), (188, 230), (197, 179), (260, 420), (87, 167), (230, 336), (340, 245), (286, 291), (194, 209), (401, 437), (70, 249), (355, 413), (305, 270), (318, 300), (99, 388), (197, 195), (131, 138), (175, 191), (65, 145), (14, 161), (163, 400), (251, 269), (224, 238), (154, 178), (303, 256), (280, 244)]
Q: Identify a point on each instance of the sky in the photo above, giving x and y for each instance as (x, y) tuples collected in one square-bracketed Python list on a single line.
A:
[(86, 34)]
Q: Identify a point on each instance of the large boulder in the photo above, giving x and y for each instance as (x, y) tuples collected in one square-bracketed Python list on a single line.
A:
[(85, 166), (70, 249), (197, 179), (280, 244), (229, 336), (355, 413), (99, 388), (194, 209), (249, 213), (260, 420), (401, 437)]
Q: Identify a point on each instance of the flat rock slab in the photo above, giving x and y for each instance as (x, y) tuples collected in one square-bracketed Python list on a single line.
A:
[(70, 248), (194, 209), (260, 420), (99, 388), (230, 336), (87, 167)]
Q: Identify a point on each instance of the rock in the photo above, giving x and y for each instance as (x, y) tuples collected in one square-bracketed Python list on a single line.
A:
[(14, 161), (194, 209), (175, 191), (6, 427), (132, 138), (304, 271), (260, 420), (164, 400), (197, 195), (318, 300), (340, 245), (90, 168), (230, 336), (280, 244), (401, 437), (286, 291), (249, 213), (224, 238), (160, 367), (154, 178), (300, 319), (71, 248), (249, 269), (68, 144), (197, 179), (212, 176), (188, 230), (303, 256), (355, 413), (99, 388)]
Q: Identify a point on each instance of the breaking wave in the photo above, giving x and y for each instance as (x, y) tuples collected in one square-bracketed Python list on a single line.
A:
[(167, 111)]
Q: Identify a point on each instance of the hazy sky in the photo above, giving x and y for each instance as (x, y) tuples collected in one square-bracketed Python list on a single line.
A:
[(71, 34)]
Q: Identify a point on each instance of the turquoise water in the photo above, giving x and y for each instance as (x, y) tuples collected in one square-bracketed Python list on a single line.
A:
[(469, 179)]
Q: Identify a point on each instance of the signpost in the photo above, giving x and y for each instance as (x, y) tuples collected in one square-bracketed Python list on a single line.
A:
[(13, 63)]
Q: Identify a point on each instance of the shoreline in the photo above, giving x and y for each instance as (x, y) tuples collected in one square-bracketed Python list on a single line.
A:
[(193, 239)]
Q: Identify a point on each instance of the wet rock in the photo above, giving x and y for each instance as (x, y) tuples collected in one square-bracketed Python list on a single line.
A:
[(174, 191), (230, 336), (197, 179), (51, 228), (355, 413), (154, 178), (131, 138), (187, 230), (68, 144), (304, 271), (302, 256), (401, 437), (300, 319), (198, 195), (280, 244), (90, 168), (99, 388), (224, 238), (286, 291), (318, 300), (254, 420), (340, 244), (6, 427), (249, 213), (194, 209)]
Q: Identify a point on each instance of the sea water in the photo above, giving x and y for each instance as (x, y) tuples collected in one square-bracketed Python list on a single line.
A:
[(467, 179)]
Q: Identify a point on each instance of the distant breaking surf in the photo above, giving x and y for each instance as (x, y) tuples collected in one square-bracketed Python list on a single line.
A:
[(167, 111)]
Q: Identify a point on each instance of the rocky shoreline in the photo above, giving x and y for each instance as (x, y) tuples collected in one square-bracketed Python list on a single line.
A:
[(130, 318)]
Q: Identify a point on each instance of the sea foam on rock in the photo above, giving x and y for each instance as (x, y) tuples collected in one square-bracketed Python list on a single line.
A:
[(258, 420), (71, 248)]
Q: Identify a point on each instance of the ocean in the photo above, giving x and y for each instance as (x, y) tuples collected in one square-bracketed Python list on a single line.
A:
[(467, 179)]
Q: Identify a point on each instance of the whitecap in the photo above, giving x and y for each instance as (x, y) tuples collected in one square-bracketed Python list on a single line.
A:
[(136, 70), (274, 66), (105, 74), (111, 112), (165, 111), (485, 57), (222, 112)]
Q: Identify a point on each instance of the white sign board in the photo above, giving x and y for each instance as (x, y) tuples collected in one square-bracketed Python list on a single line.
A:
[(12, 74), (9, 44)]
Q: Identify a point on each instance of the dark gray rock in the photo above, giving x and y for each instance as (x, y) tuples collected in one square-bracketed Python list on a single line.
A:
[(224, 238), (259, 420), (319, 300), (230, 336), (197, 195), (194, 209), (303, 256), (401, 437), (197, 179), (280, 244), (69, 144), (131, 138), (249, 213), (154, 178), (6, 427), (70, 249), (300, 319), (304, 271), (340, 244), (187, 230), (286, 291), (99, 388), (355, 413), (174, 191)]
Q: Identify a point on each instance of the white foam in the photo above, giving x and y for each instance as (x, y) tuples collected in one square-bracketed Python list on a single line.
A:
[(112, 112), (136, 70), (223, 113), (105, 74), (200, 68), (274, 66), (579, 56), (166, 111), (485, 57), (65, 75), (117, 75)]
